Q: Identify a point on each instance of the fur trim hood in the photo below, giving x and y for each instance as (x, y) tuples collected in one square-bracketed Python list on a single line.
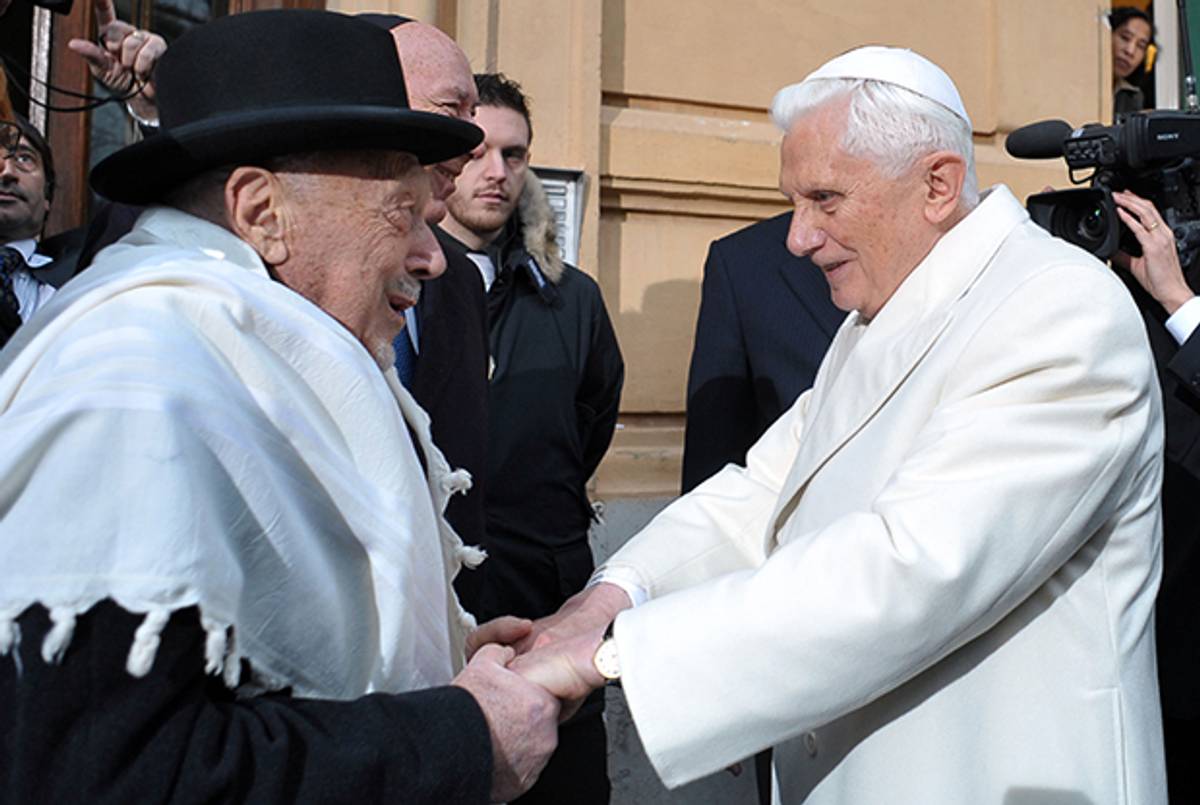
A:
[(538, 233)]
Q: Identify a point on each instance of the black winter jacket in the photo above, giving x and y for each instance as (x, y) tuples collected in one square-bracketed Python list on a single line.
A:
[(553, 395)]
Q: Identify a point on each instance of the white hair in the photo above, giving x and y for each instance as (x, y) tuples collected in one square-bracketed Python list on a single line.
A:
[(887, 124)]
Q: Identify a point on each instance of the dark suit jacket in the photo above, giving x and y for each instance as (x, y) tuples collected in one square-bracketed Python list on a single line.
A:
[(766, 319), (64, 249), (451, 378), (1177, 616), (109, 223), (84, 730), (75, 249)]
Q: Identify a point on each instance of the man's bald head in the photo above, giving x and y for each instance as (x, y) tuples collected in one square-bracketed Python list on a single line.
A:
[(437, 74), (438, 78)]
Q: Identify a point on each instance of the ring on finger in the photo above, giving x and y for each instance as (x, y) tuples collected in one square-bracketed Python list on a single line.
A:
[(1153, 225)]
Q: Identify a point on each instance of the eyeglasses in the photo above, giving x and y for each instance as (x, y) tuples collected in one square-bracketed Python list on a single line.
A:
[(23, 158)]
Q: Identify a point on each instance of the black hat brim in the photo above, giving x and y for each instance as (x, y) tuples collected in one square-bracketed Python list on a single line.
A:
[(144, 172)]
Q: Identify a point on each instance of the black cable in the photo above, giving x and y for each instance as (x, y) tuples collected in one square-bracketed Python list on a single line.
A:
[(1190, 102), (93, 101)]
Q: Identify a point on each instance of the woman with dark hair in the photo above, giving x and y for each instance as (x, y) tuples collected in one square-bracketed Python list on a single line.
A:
[(1132, 35)]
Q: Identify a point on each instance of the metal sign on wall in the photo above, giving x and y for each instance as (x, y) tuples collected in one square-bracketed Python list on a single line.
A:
[(564, 190)]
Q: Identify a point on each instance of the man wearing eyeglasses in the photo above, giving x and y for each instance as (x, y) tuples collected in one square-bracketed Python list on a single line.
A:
[(31, 270)]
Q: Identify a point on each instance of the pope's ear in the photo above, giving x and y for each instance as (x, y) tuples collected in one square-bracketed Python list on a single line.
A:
[(945, 173), (255, 206)]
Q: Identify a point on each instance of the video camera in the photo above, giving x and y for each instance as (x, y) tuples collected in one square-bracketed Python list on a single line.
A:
[(1153, 154)]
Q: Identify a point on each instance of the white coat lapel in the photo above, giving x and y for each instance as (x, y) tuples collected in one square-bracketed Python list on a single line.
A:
[(868, 363), (871, 373)]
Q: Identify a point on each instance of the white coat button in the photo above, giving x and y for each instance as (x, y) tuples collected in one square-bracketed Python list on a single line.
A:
[(810, 743)]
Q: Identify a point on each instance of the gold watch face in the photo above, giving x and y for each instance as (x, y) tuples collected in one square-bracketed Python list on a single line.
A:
[(607, 662)]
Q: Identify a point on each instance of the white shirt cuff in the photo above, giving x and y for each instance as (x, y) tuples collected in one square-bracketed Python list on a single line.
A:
[(1183, 322), (636, 592)]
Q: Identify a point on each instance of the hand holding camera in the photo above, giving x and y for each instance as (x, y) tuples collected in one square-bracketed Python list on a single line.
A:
[(1157, 269)]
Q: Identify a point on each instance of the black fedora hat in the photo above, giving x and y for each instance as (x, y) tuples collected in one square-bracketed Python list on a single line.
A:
[(247, 87)]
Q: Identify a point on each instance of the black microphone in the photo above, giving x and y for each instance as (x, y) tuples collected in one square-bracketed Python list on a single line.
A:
[(1042, 140)]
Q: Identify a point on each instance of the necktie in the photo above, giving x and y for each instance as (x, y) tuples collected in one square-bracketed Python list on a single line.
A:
[(406, 358), (10, 262)]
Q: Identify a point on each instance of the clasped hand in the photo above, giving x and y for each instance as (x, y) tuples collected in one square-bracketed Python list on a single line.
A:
[(556, 652), (526, 676)]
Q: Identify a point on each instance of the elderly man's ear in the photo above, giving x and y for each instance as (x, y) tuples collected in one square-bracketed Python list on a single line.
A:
[(257, 213), (944, 175)]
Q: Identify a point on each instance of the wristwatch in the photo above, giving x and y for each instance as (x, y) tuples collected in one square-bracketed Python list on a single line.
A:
[(606, 660)]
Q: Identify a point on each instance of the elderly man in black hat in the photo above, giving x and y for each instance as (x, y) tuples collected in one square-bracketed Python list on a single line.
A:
[(224, 570), (442, 354)]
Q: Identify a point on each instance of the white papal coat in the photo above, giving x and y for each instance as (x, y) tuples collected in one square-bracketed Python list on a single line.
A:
[(934, 581)]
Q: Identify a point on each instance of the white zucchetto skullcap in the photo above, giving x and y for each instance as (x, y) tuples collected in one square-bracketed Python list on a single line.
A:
[(898, 66)]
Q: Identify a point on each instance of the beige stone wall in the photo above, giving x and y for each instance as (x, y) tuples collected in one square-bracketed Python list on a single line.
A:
[(663, 105)]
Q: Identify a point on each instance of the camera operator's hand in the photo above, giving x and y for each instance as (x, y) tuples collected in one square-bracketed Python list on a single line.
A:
[(124, 57), (1158, 269)]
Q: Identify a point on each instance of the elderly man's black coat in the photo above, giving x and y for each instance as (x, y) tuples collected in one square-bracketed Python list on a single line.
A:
[(555, 386), (179, 735)]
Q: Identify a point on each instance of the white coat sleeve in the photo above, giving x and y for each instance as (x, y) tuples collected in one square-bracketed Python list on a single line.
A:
[(718, 527)]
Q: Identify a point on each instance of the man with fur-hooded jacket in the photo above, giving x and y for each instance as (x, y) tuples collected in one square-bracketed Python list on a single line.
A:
[(555, 383)]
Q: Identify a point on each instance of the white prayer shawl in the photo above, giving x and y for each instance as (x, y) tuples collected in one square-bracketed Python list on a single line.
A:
[(179, 429)]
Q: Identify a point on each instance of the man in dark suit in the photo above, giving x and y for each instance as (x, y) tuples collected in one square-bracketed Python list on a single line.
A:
[(442, 354), (552, 407), (31, 269), (450, 382), (1165, 294), (765, 321)]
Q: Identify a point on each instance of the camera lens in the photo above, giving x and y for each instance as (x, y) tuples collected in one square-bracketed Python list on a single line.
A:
[(1086, 217), (1093, 224), (1085, 225)]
